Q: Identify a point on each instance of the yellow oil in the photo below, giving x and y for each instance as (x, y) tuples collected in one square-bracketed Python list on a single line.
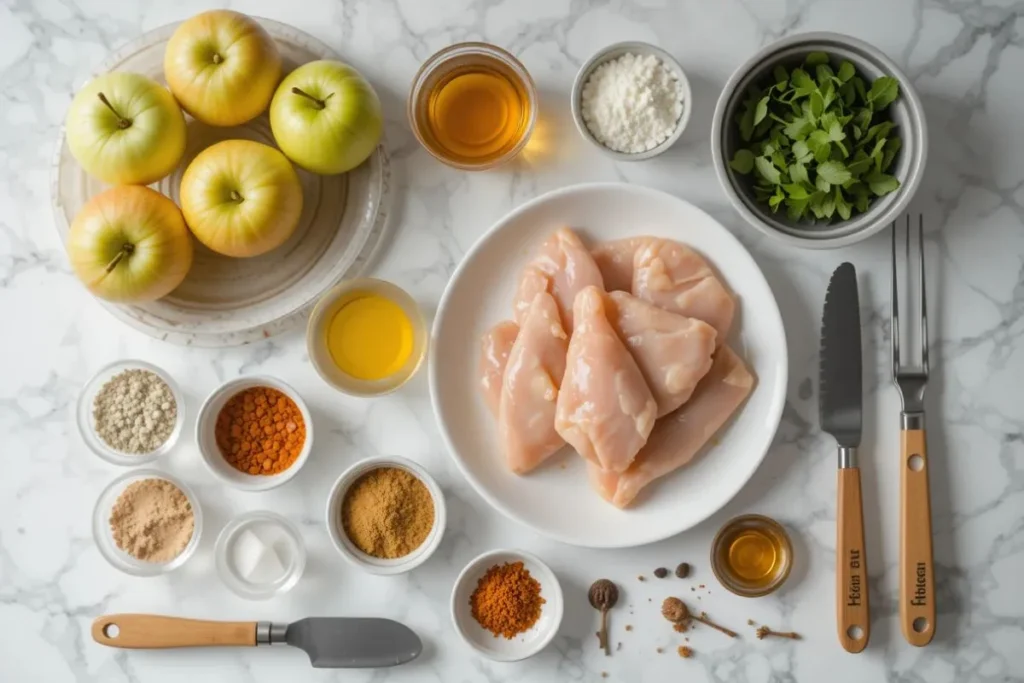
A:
[(751, 555), (476, 113), (370, 337)]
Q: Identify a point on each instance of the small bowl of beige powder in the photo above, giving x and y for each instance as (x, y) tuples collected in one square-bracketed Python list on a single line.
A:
[(130, 413), (386, 515), (147, 523)]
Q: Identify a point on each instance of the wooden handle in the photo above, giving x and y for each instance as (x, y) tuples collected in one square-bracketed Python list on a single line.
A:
[(917, 579), (140, 631), (853, 617)]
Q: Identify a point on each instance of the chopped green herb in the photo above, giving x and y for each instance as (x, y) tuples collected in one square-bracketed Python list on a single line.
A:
[(817, 140)]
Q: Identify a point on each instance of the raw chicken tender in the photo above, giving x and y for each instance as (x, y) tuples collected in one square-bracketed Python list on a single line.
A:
[(615, 261), (672, 351), (529, 391), (495, 347), (605, 409), (678, 279), (678, 437), (568, 267)]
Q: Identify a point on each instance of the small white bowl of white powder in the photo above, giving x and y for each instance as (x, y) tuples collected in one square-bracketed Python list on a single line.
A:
[(632, 100)]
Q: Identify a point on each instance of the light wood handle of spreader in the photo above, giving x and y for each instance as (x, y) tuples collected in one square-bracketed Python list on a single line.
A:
[(853, 616), (917, 576), (143, 631)]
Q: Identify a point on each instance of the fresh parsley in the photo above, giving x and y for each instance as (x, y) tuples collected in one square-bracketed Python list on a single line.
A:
[(817, 140)]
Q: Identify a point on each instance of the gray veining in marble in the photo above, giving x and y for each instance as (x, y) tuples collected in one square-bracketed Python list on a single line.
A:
[(966, 59)]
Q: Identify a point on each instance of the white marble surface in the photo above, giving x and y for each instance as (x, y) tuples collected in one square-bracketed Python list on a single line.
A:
[(966, 59)]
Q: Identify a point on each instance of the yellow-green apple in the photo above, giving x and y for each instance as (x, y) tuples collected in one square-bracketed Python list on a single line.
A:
[(241, 198), (223, 67), (126, 129), (326, 117), (130, 244)]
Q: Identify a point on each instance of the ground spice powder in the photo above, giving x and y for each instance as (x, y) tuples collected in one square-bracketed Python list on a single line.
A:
[(260, 430), (507, 600), (387, 513)]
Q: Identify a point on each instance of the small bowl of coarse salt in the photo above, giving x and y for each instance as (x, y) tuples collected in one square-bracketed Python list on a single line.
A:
[(130, 413), (632, 100)]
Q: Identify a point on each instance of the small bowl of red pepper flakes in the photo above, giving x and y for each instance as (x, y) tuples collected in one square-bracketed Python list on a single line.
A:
[(254, 433), (507, 605)]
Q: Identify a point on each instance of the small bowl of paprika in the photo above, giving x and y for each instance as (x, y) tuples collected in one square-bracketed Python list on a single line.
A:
[(507, 605), (254, 433)]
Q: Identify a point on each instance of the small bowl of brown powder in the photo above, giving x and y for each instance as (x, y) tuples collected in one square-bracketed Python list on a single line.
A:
[(147, 523), (386, 515), (507, 605)]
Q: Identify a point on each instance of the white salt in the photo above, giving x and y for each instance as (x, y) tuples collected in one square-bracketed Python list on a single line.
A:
[(255, 560)]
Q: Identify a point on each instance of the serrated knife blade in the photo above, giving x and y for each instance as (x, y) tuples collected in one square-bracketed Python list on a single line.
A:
[(840, 397), (840, 386)]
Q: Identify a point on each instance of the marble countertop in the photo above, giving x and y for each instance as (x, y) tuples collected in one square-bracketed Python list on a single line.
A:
[(964, 57)]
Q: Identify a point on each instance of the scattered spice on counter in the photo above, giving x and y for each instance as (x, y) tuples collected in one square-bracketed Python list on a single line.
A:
[(641, 577), (660, 650), (260, 430), (751, 622), (152, 520), (629, 627), (661, 572), (507, 600), (675, 610), (134, 412), (683, 570), (681, 627), (685, 652), (619, 646), (766, 631), (604, 674), (603, 595), (387, 513)]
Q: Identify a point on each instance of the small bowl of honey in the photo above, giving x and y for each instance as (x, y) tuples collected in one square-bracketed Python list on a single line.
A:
[(751, 555), (472, 106), (366, 337)]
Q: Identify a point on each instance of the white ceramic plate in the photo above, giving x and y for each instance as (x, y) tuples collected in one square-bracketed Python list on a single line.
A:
[(227, 301), (556, 500)]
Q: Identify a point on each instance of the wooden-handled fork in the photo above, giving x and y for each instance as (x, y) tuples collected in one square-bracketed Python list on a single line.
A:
[(916, 567)]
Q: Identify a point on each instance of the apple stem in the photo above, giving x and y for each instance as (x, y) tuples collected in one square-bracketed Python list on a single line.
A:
[(217, 58), (122, 122), (320, 104), (126, 250), (235, 197)]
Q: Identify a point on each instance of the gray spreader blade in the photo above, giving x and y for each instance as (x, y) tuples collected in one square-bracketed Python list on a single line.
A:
[(354, 643), (839, 379)]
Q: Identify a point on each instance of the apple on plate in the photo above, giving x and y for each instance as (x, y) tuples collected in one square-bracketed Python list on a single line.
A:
[(223, 67), (130, 244), (326, 117), (241, 198), (125, 129)]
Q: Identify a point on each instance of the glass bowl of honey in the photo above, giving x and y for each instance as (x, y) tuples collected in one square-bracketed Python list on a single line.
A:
[(472, 106), (751, 555)]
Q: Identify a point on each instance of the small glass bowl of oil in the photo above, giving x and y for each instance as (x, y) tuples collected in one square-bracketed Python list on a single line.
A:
[(751, 555), (472, 106), (366, 337)]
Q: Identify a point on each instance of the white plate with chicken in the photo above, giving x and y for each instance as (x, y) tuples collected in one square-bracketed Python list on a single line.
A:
[(608, 365)]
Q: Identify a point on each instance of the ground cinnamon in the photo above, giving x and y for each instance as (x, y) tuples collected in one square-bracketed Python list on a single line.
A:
[(260, 430), (507, 600)]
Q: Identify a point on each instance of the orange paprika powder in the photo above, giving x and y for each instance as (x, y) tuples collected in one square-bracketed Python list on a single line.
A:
[(260, 430), (507, 600)]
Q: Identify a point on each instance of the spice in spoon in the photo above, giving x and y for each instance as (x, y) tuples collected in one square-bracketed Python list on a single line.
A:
[(603, 596), (767, 631), (675, 610)]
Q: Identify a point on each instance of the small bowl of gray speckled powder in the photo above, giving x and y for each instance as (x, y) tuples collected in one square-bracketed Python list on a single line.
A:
[(130, 413)]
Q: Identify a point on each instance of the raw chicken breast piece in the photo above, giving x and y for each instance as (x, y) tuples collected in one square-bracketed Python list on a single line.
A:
[(605, 409), (532, 282), (679, 436), (568, 266), (529, 390), (678, 279), (672, 351), (495, 347), (615, 261)]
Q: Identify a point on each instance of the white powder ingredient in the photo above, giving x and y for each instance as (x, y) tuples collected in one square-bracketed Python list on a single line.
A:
[(134, 412), (632, 104)]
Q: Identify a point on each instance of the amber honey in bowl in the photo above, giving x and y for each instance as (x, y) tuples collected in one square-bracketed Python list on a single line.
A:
[(751, 555), (472, 105)]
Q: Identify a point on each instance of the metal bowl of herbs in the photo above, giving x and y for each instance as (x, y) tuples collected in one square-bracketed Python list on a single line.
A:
[(819, 140)]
